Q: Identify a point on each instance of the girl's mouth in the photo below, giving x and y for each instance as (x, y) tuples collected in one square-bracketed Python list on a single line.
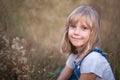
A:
[(75, 38)]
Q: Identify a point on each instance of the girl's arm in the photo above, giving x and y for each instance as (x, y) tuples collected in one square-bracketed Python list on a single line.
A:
[(66, 73), (87, 76)]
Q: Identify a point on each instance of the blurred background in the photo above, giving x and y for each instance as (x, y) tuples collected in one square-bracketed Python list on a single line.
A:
[(31, 32)]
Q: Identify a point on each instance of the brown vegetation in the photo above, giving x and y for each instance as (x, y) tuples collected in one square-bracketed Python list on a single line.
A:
[(14, 63), (41, 23)]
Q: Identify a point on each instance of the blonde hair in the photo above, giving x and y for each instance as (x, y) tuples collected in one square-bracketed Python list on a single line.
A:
[(93, 20)]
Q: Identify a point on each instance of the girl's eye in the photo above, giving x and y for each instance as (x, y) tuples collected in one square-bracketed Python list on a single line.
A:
[(84, 27), (72, 26)]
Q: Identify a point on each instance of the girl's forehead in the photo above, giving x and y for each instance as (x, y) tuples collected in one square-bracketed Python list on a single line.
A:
[(80, 18)]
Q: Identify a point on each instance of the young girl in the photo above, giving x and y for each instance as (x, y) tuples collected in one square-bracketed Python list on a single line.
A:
[(81, 40)]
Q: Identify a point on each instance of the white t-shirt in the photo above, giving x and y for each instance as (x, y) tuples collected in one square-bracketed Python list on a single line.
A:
[(93, 63)]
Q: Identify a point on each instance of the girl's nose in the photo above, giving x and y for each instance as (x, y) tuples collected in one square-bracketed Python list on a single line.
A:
[(77, 31)]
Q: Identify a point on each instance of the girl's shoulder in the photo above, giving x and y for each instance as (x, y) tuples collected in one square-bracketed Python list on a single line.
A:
[(95, 56), (95, 59), (96, 63), (71, 57), (70, 60)]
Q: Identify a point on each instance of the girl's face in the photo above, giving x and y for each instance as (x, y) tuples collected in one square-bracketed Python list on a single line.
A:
[(79, 33)]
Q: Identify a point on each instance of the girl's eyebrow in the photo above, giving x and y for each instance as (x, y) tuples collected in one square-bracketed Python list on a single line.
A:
[(87, 25), (72, 25)]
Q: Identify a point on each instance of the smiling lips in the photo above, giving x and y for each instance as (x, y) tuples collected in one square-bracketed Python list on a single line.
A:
[(76, 39)]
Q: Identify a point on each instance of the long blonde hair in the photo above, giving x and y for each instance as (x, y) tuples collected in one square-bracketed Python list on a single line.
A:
[(93, 20)]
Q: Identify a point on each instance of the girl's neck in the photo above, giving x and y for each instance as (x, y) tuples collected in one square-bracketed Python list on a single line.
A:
[(81, 52), (80, 49)]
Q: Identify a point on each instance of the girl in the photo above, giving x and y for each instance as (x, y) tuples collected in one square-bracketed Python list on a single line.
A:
[(81, 40)]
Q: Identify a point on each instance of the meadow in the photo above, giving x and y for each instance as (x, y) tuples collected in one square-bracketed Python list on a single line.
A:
[(31, 33)]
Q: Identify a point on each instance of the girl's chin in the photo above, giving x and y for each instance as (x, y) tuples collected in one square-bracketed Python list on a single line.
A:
[(78, 45)]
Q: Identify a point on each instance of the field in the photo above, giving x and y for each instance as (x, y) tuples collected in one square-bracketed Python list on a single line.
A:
[(31, 32)]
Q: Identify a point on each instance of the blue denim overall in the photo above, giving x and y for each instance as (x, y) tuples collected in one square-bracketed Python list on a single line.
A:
[(76, 73)]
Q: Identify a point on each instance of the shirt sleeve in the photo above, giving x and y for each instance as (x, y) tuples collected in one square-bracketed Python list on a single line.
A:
[(70, 61), (94, 63)]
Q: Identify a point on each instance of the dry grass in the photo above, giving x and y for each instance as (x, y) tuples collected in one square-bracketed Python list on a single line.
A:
[(41, 23), (14, 63)]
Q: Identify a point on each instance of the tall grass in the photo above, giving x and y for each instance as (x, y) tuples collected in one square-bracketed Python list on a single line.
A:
[(14, 62), (41, 23)]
